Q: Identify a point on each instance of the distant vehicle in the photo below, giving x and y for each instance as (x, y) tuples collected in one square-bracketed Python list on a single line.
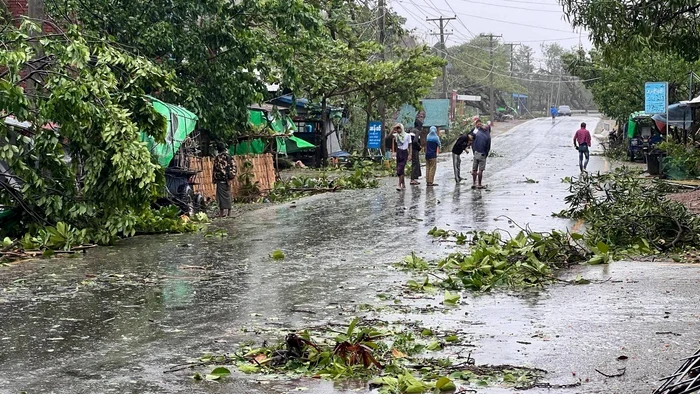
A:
[(564, 110)]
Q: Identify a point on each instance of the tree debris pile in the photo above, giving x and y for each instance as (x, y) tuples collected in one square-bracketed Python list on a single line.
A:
[(296, 187), (525, 260), (64, 239), (631, 214), (392, 361)]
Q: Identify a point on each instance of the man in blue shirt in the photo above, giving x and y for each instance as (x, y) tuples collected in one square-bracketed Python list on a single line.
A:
[(481, 146), (554, 112)]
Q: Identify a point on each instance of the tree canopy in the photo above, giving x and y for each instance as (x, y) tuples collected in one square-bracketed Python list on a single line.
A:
[(618, 88), (221, 52), (81, 162), (622, 28)]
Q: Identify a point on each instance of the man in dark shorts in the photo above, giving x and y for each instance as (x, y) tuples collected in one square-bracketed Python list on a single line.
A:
[(582, 141), (481, 147)]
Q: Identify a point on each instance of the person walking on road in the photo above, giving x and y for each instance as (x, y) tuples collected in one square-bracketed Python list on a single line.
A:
[(223, 172), (415, 152), (553, 111), (582, 141), (403, 146), (432, 149), (481, 147), (462, 145)]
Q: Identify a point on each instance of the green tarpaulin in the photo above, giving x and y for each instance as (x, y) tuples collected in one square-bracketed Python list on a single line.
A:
[(632, 123), (180, 124), (296, 144), (257, 118)]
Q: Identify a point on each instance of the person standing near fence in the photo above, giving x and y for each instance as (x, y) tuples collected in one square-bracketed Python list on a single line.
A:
[(223, 172), (432, 150)]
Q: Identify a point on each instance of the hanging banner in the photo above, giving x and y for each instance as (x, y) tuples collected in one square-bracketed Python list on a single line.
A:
[(374, 135)]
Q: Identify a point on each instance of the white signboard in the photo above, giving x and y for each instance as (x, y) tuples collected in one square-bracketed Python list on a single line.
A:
[(466, 97)]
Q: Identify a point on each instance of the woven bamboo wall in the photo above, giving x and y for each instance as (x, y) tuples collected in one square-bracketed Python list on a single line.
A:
[(263, 173)]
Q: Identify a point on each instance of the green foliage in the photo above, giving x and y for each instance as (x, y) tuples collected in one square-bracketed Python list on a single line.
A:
[(681, 159), (166, 220), (277, 255), (296, 187), (618, 86), (249, 187), (624, 29), (526, 260), (94, 93), (630, 214), (62, 236), (395, 359), (214, 47)]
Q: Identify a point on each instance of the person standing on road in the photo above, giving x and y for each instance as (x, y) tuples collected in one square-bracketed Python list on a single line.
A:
[(403, 146), (582, 141), (415, 152), (481, 147), (553, 111), (462, 145), (432, 150), (223, 172)]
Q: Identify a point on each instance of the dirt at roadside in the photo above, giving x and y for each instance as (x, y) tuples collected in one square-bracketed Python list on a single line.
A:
[(691, 200)]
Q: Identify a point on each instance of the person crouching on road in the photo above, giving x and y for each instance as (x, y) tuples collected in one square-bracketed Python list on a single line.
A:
[(432, 150), (582, 141), (224, 171), (481, 147), (461, 145), (403, 147)]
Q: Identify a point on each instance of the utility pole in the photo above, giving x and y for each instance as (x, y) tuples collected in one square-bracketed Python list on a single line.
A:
[(442, 24), (511, 45), (492, 99), (527, 60)]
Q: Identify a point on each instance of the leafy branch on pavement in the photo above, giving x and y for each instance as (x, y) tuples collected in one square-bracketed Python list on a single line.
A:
[(302, 186), (525, 260), (630, 214), (393, 360)]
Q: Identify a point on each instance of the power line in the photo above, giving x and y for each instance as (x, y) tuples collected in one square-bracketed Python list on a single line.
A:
[(514, 23), (529, 2), (459, 19), (512, 7), (517, 78), (490, 19)]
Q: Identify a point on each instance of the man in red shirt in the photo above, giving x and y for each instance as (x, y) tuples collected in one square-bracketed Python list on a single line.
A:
[(582, 141)]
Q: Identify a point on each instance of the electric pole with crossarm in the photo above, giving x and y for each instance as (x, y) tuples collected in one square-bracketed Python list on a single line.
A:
[(442, 24)]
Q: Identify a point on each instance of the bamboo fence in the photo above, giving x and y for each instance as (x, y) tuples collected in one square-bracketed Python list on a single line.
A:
[(263, 171)]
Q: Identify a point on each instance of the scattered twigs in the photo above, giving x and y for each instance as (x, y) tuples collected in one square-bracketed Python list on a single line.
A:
[(667, 333), (621, 371), (545, 385)]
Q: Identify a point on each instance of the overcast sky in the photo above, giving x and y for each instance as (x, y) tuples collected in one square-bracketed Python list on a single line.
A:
[(519, 21)]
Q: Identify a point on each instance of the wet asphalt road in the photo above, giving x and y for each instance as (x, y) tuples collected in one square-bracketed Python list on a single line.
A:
[(114, 320)]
